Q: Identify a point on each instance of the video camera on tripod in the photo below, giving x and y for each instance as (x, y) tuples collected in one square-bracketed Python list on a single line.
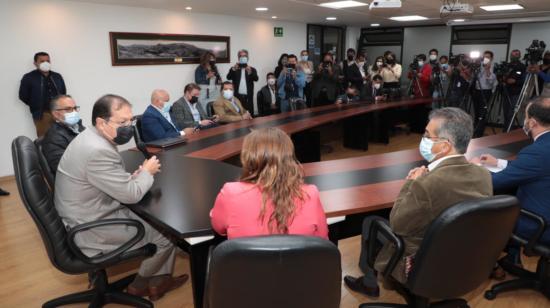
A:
[(535, 52), (502, 69), (414, 64)]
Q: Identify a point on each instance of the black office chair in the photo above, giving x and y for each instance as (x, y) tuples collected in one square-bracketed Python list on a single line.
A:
[(138, 119), (539, 281), (210, 109), (60, 242), (49, 174), (273, 272), (457, 254), (297, 104)]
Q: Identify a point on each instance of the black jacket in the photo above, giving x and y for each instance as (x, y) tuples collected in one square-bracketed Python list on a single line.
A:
[(55, 142), (235, 76), (264, 102), (354, 75), (31, 90)]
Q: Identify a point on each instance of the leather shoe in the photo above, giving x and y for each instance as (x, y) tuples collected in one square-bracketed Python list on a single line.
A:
[(160, 285), (356, 284), (139, 287), (3, 192)]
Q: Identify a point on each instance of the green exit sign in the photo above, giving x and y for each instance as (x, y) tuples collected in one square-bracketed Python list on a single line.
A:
[(278, 31)]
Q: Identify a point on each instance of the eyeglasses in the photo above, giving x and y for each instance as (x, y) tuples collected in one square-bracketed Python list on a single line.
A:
[(433, 138), (132, 122), (69, 109)]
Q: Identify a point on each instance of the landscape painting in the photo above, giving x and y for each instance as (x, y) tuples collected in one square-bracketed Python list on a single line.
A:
[(150, 48)]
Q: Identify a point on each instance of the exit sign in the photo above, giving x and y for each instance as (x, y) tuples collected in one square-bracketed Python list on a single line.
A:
[(278, 31)]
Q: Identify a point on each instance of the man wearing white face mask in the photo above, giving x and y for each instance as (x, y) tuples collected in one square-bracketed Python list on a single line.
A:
[(38, 88), (483, 92), (66, 127), (243, 76), (228, 108), (358, 75), (427, 192), (268, 101)]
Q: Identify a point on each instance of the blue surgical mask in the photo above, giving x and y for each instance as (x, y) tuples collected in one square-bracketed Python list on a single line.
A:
[(243, 60), (445, 66), (228, 94), (72, 118), (305, 58), (420, 63), (426, 146), (167, 106)]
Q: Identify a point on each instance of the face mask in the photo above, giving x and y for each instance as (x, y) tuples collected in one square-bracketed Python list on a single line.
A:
[(212, 62), (305, 58), (284, 62), (445, 66), (292, 66), (228, 94), (420, 63), (426, 146), (379, 64), (433, 57), (546, 61), (166, 107), (271, 81), (350, 57), (377, 86), (486, 61), (327, 62), (514, 59), (124, 134), (361, 64), (45, 66), (72, 118), (194, 99), (526, 128), (243, 60)]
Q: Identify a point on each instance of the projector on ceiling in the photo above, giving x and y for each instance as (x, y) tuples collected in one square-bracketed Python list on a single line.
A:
[(385, 4), (457, 8)]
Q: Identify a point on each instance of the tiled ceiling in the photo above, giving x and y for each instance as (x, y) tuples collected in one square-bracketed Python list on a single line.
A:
[(308, 10)]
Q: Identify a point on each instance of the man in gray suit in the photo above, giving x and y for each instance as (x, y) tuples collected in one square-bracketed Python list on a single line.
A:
[(187, 112), (92, 183)]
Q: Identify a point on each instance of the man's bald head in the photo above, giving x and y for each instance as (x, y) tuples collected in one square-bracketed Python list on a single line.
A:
[(159, 97)]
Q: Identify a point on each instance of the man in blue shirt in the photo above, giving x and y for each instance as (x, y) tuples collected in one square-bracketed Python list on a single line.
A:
[(291, 83), (529, 172)]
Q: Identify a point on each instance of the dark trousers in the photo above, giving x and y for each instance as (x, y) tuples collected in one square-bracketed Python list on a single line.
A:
[(481, 104), (247, 102), (307, 93), (370, 274), (508, 110)]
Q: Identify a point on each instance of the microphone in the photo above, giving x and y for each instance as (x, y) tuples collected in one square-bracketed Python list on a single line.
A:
[(142, 147)]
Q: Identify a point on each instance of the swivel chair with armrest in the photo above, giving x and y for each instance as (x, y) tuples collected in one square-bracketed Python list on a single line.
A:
[(457, 253), (538, 281), (60, 244)]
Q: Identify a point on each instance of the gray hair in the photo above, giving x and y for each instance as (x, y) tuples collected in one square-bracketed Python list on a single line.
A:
[(243, 50), (55, 100), (456, 126)]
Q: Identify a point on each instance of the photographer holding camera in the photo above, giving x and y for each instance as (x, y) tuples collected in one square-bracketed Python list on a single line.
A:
[(420, 75), (460, 75), (325, 81), (391, 73), (487, 80), (291, 83), (513, 79), (542, 71)]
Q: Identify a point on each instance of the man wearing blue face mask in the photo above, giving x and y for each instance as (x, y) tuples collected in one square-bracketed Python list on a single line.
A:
[(427, 192), (66, 127), (243, 76), (156, 122)]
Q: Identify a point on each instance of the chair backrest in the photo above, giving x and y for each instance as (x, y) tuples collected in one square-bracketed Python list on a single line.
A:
[(138, 124), (210, 109), (48, 173), (461, 246), (38, 200), (297, 104), (274, 271)]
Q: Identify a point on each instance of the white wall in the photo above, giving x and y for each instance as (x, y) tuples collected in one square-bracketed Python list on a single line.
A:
[(352, 36), (524, 34), (77, 37), (420, 40)]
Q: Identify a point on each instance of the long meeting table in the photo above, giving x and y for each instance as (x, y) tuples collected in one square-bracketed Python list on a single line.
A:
[(184, 192)]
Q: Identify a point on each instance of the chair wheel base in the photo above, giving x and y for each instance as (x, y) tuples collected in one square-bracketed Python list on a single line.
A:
[(490, 295)]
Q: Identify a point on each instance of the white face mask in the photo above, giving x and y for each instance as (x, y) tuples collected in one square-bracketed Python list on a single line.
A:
[(228, 94), (420, 63), (379, 63), (486, 61), (433, 57), (377, 86), (45, 66), (360, 64), (271, 81)]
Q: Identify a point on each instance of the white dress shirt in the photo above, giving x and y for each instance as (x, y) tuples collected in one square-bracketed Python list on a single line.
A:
[(436, 163), (243, 90)]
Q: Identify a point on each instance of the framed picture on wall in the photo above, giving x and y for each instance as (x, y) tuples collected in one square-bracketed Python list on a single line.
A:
[(153, 48)]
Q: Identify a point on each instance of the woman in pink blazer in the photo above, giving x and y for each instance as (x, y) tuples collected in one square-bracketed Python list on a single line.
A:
[(271, 197)]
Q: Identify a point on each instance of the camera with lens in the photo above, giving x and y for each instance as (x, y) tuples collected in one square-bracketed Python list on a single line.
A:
[(502, 69), (414, 65), (455, 60), (535, 52)]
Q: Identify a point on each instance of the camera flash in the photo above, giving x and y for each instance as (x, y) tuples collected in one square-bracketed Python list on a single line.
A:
[(474, 54)]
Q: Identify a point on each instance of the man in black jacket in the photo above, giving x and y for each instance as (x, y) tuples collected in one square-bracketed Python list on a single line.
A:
[(66, 127), (358, 75), (269, 101), (244, 91)]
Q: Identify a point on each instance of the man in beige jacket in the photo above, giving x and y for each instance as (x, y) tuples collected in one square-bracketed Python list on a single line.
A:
[(228, 108), (428, 191)]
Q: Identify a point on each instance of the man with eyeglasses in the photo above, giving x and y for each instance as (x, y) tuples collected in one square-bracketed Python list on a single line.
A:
[(66, 127), (92, 184), (428, 191)]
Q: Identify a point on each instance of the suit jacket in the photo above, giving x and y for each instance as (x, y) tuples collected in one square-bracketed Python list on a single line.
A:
[(371, 93), (227, 112), (530, 174), (322, 81), (90, 185), (56, 140), (354, 75), (265, 102), (235, 76), (181, 114), (422, 200), (31, 90), (154, 126)]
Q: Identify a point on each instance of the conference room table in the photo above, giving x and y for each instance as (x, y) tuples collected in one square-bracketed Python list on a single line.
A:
[(179, 203)]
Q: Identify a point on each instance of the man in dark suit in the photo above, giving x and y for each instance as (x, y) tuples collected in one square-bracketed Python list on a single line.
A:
[(156, 122), (427, 192), (358, 74), (374, 91), (529, 172), (38, 88), (66, 127), (269, 101), (187, 113), (244, 91)]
